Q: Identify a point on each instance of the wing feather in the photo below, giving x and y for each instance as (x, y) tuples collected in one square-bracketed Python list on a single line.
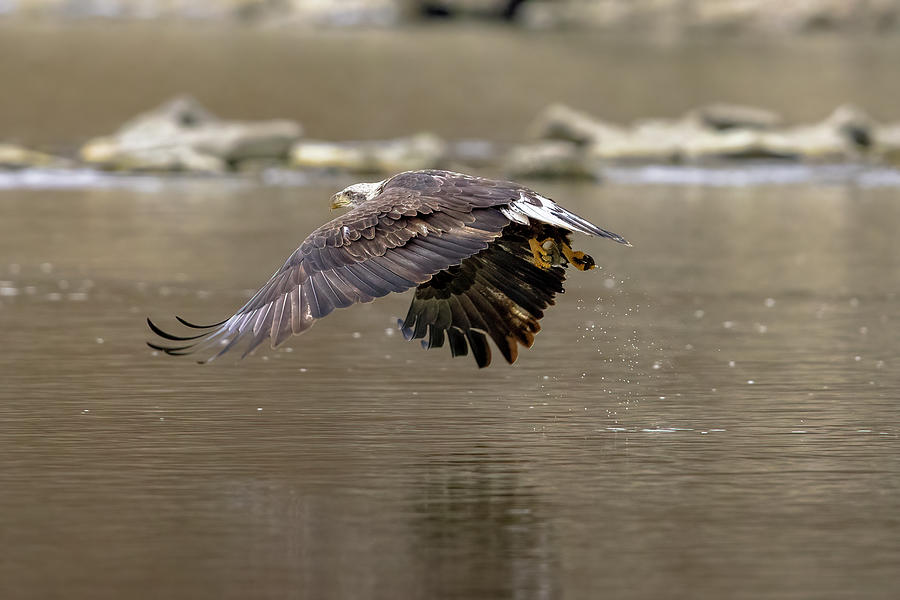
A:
[(458, 344), (296, 322), (498, 292), (277, 315), (366, 281), (261, 317)]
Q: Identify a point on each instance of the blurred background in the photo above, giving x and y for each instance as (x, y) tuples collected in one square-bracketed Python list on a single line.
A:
[(711, 414), (453, 83)]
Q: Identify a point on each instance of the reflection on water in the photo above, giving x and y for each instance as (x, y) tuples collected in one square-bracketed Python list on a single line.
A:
[(711, 414)]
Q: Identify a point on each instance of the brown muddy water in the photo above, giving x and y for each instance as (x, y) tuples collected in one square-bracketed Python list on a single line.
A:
[(711, 415)]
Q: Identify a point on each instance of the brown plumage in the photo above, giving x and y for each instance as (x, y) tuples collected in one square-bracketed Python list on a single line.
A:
[(461, 241)]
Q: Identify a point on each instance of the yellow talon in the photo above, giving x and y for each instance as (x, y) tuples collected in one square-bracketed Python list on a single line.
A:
[(541, 258), (578, 259)]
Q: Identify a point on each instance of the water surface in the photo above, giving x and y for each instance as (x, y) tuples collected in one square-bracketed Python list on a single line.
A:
[(712, 414)]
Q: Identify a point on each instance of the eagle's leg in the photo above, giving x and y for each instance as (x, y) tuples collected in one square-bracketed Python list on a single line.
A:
[(578, 259), (541, 256)]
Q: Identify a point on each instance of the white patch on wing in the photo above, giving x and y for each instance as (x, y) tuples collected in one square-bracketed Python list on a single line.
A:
[(543, 212), (513, 215), (548, 211)]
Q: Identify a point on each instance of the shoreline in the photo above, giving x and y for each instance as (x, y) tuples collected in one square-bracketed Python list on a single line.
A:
[(734, 174)]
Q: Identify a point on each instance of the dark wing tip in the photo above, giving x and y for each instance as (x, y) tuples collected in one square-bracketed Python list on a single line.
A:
[(406, 331), (613, 236), (171, 351), (168, 336), (187, 323), (184, 349)]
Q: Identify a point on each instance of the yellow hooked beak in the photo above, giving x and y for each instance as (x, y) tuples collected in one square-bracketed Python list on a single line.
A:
[(340, 200)]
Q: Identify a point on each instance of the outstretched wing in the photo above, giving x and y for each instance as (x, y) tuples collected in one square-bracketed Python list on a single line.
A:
[(399, 239), (499, 292)]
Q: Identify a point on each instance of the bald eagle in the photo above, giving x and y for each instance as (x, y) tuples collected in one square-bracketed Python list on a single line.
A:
[(486, 258)]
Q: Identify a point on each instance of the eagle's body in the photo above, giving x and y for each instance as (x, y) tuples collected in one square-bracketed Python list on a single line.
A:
[(486, 258)]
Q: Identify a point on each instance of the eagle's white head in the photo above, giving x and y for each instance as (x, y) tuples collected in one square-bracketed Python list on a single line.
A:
[(356, 194)]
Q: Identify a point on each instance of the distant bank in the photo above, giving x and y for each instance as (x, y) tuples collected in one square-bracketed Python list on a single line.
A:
[(657, 16)]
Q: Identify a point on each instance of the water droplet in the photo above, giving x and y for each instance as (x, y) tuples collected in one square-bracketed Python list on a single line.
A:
[(750, 382), (770, 302)]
